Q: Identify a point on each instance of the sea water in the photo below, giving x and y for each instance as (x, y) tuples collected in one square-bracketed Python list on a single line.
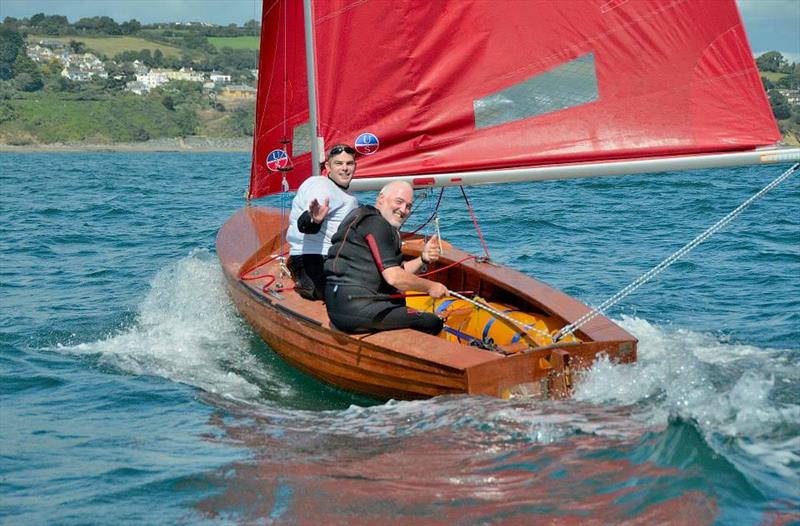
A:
[(131, 392)]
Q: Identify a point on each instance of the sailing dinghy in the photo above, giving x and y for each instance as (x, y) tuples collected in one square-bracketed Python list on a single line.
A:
[(456, 93)]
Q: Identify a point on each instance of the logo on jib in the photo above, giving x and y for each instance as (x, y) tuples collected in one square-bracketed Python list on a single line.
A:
[(278, 160), (367, 144)]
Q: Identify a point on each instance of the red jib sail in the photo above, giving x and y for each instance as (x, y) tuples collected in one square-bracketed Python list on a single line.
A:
[(473, 85)]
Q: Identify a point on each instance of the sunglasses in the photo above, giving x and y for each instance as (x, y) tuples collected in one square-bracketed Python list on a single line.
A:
[(336, 150)]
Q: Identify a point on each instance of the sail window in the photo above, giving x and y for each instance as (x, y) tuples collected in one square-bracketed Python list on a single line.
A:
[(571, 84), (301, 139)]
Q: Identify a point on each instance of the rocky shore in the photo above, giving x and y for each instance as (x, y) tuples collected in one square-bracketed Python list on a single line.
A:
[(178, 144)]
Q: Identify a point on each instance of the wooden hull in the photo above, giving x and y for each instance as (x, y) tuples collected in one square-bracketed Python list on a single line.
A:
[(406, 364)]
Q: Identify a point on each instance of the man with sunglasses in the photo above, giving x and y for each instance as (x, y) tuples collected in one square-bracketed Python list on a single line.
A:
[(365, 265), (317, 210)]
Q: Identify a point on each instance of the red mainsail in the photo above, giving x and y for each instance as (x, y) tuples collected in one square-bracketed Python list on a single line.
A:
[(471, 85)]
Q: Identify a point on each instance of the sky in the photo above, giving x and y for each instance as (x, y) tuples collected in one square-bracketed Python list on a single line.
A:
[(770, 24)]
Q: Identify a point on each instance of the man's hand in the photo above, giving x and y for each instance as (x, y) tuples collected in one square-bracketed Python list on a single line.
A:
[(436, 290), (432, 250), (318, 211)]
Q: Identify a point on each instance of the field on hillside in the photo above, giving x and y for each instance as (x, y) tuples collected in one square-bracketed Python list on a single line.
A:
[(772, 76), (234, 42), (110, 46)]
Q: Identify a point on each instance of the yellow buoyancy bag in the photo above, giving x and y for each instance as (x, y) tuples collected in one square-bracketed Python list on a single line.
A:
[(469, 324)]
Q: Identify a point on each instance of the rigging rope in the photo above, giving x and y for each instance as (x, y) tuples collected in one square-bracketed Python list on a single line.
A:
[(647, 276), (523, 329), (433, 215), (285, 65), (284, 221), (475, 222)]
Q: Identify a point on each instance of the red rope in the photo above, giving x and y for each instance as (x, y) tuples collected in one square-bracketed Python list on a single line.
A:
[(268, 283), (246, 277), (272, 278), (448, 266), (475, 222)]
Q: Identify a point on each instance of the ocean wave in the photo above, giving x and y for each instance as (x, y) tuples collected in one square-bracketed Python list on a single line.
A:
[(186, 330), (727, 389)]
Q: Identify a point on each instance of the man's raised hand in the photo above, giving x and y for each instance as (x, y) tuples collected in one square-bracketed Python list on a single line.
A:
[(318, 211)]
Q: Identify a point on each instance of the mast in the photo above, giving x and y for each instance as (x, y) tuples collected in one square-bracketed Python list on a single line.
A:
[(312, 85)]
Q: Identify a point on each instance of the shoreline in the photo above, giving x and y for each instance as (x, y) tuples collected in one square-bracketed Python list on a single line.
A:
[(178, 144)]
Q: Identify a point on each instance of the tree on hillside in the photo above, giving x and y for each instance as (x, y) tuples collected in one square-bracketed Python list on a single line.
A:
[(792, 78), (12, 23), (131, 27), (7, 113), (27, 75), (187, 122), (77, 46), (98, 25), (197, 41), (36, 19), (10, 44), (168, 102), (780, 105), (252, 27), (107, 25), (147, 58), (771, 61), (53, 81), (235, 59), (53, 25), (242, 121), (183, 90)]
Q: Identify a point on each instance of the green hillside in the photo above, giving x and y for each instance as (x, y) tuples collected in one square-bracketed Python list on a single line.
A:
[(45, 118), (49, 117)]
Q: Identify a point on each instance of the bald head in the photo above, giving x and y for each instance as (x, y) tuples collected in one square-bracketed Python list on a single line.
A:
[(394, 202)]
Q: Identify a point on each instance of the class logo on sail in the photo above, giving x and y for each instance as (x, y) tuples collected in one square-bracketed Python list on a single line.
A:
[(278, 160), (367, 144)]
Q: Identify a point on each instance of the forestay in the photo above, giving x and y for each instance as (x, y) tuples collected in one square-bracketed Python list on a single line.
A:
[(459, 87)]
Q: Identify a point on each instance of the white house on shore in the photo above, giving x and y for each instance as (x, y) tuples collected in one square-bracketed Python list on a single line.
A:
[(219, 78), (792, 96), (153, 79), (83, 67), (79, 67), (158, 77), (187, 74), (139, 68), (43, 55)]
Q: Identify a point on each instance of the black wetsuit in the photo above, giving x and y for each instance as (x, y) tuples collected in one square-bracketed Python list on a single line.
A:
[(364, 245)]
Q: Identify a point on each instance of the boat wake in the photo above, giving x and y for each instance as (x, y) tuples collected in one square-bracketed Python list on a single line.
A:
[(739, 396), (186, 330)]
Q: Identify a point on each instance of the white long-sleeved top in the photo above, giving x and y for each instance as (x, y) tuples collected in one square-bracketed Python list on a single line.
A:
[(340, 203)]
